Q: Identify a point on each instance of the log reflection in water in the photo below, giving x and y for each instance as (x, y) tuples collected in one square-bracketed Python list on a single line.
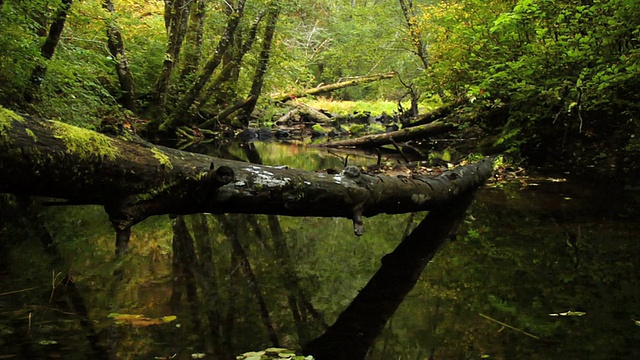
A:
[(355, 330)]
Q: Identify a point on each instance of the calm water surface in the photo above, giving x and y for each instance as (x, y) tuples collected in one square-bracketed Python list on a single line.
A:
[(539, 270)]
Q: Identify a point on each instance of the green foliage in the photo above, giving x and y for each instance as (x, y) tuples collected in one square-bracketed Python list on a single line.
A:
[(19, 23), (555, 63)]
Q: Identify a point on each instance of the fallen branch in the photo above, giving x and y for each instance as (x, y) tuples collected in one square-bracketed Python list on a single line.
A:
[(406, 134), (333, 87), (509, 326)]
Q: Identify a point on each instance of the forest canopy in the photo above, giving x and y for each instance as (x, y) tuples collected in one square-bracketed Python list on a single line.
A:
[(537, 76)]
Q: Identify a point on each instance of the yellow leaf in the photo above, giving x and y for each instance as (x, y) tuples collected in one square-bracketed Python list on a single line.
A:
[(169, 318)]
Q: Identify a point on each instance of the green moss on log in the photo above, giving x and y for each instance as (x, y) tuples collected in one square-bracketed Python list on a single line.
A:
[(84, 143), (162, 158), (31, 134), (7, 117)]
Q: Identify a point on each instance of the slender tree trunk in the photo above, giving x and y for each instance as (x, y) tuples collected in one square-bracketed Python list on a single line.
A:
[(409, 12), (183, 107), (207, 280), (193, 41), (47, 51), (116, 48), (176, 24), (231, 230), (223, 89), (261, 70), (184, 256)]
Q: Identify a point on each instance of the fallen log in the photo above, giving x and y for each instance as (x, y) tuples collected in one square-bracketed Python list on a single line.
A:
[(405, 134), (135, 179), (332, 87), (435, 114), (303, 114)]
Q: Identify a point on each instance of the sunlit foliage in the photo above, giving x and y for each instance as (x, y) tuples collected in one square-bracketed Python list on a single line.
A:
[(559, 66)]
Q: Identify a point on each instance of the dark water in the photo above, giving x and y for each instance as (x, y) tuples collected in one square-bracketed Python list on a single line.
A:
[(539, 270)]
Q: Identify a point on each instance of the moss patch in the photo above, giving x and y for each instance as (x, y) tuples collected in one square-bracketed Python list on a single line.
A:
[(84, 143), (31, 134), (162, 158), (7, 117)]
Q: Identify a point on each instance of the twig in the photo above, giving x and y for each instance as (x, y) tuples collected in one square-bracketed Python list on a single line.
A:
[(18, 291), (509, 326), (399, 150)]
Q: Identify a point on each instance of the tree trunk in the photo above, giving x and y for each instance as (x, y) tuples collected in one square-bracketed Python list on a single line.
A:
[(135, 179), (231, 230), (223, 89), (176, 24), (263, 59), (409, 12), (116, 48), (406, 134), (193, 44), (336, 86), (182, 109), (47, 51)]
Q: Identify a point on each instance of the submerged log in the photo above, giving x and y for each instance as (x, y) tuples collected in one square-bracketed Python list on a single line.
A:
[(135, 179), (406, 134)]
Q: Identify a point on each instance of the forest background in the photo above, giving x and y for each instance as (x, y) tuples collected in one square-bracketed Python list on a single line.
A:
[(538, 77)]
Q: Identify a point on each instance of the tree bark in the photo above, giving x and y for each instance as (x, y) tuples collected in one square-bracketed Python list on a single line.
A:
[(183, 107), (176, 25), (47, 51), (406, 134), (263, 59), (193, 44), (223, 89), (231, 230), (332, 87), (409, 12), (135, 179), (116, 48), (303, 114)]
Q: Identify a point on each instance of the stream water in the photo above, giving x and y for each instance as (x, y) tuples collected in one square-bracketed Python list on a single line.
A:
[(539, 269)]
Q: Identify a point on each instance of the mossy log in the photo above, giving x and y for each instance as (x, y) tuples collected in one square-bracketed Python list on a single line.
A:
[(332, 87), (406, 134), (135, 179), (303, 114)]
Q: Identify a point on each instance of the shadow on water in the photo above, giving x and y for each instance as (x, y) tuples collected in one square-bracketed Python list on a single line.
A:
[(543, 271)]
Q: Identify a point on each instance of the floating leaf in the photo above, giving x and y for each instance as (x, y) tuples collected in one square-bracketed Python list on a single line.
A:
[(169, 318), (569, 313), (47, 342), (140, 320)]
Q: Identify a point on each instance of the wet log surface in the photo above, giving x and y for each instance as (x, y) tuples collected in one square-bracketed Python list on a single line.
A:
[(134, 179)]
